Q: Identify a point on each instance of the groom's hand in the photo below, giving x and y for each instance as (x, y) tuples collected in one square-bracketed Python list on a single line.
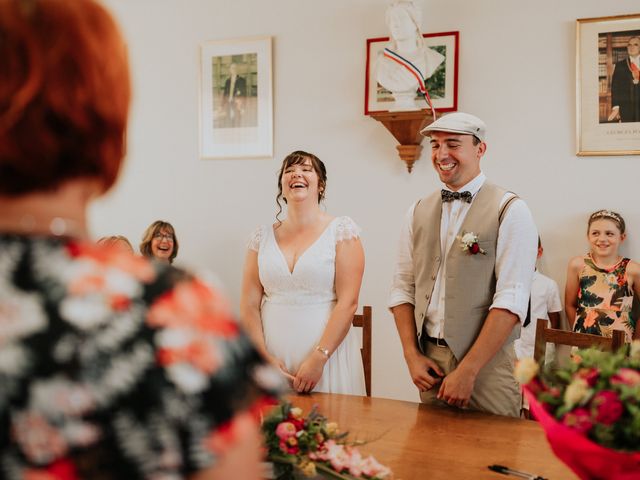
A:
[(425, 373), (457, 387)]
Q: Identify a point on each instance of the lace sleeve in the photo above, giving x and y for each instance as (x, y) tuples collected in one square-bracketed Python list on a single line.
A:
[(346, 229), (253, 243)]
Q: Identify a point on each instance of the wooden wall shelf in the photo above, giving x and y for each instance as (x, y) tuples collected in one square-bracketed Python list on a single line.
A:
[(405, 127)]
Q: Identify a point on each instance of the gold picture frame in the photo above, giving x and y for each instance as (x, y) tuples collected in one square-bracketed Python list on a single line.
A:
[(602, 46)]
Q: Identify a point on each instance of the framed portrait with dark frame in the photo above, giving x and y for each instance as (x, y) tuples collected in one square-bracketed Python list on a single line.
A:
[(608, 85), (442, 85), (236, 112)]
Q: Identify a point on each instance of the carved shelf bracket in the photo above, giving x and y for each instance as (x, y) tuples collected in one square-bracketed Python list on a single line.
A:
[(405, 127)]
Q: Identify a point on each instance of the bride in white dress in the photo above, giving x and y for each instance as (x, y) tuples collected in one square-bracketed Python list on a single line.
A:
[(301, 283)]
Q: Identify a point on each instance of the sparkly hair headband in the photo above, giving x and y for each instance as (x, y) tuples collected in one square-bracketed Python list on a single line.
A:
[(606, 214)]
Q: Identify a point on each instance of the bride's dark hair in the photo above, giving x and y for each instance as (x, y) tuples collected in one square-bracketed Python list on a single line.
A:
[(298, 158)]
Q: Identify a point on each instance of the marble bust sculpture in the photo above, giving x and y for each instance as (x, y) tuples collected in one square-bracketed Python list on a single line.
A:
[(403, 20)]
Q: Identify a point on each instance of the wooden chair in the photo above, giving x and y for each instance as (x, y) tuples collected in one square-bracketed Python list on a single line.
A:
[(545, 334), (364, 321)]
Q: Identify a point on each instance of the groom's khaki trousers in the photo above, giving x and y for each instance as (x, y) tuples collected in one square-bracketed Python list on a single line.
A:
[(495, 389)]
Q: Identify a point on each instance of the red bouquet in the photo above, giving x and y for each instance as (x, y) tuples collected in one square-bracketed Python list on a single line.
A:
[(590, 410)]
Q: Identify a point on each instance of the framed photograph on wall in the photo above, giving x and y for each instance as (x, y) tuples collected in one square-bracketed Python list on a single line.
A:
[(236, 110), (442, 85), (608, 85)]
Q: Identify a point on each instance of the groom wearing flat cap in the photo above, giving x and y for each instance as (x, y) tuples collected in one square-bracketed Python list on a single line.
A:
[(463, 276)]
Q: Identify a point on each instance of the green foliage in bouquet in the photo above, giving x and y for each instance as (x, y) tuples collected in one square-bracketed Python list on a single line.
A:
[(311, 444), (596, 394)]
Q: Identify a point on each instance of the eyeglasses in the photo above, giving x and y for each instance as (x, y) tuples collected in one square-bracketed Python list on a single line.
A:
[(165, 236)]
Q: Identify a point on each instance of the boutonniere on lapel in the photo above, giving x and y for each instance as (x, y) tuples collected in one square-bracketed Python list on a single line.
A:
[(469, 243)]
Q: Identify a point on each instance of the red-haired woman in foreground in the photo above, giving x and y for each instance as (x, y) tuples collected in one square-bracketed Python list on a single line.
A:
[(111, 367)]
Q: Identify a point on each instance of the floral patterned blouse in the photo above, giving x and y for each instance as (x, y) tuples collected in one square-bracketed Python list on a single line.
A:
[(604, 300), (112, 367)]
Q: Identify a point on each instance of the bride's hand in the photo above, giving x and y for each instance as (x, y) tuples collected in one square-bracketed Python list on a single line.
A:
[(279, 364), (309, 373)]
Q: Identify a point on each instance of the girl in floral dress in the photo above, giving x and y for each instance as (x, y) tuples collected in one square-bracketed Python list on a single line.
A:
[(600, 285)]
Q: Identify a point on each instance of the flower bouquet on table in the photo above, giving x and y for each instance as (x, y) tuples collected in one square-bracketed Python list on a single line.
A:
[(313, 446), (590, 410)]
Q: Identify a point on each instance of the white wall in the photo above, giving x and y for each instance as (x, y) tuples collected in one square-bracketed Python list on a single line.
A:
[(517, 72)]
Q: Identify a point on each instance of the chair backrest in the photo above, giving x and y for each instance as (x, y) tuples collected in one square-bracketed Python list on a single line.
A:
[(545, 334), (364, 321)]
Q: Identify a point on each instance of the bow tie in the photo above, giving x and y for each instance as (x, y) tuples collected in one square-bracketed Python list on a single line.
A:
[(448, 196)]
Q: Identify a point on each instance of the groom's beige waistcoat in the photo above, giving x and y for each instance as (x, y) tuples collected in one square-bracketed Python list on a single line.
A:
[(470, 281)]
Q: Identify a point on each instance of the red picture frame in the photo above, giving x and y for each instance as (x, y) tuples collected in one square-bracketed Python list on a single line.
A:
[(442, 85)]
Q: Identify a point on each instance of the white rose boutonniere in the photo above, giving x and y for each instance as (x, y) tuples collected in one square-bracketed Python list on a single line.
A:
[(469, 243)]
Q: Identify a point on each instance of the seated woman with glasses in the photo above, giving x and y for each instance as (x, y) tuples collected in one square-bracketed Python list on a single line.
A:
[(160, 242)]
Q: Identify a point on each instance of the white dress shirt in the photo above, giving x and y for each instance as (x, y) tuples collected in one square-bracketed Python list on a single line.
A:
[(515, 258), (545, 299)]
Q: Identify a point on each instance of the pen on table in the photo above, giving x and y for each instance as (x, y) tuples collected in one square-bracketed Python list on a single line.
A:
[(516, 473)]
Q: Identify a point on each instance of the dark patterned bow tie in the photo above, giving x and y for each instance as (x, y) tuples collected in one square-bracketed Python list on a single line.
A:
[(448, 196)]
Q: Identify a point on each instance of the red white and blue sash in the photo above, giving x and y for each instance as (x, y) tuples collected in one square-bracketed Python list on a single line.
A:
[(415, 71)]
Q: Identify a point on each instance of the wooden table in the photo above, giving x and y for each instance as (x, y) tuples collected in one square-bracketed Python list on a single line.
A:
[(418, 441)]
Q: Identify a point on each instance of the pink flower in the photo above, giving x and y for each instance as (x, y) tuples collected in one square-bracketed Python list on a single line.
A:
[(291, 449), (371, 468), (285, 430), (579, 420), (589, 375), (606, 407), (626, 376), (336, 455), (355, 463)]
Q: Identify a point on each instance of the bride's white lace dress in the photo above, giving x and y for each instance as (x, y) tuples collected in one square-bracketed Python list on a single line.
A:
[(296, 305)]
